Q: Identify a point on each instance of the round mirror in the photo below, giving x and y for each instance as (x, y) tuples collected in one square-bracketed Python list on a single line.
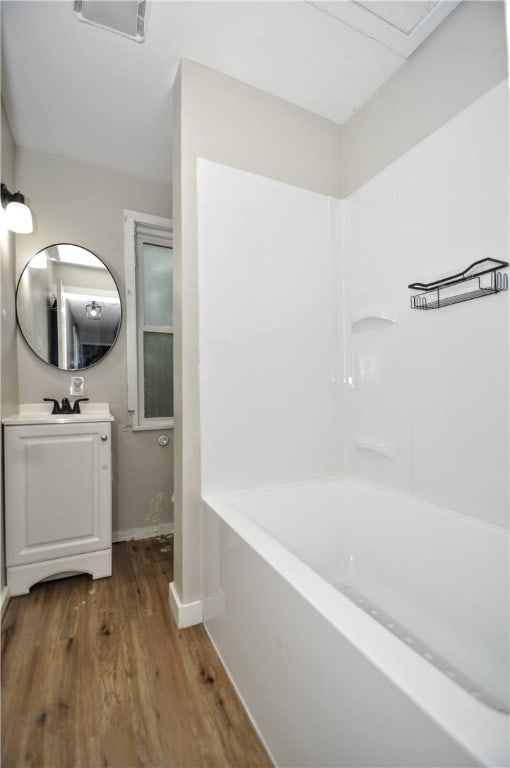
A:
[(68, 307)]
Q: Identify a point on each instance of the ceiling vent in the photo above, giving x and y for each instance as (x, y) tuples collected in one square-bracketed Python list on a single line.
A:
[(401, 25), (124, 17)]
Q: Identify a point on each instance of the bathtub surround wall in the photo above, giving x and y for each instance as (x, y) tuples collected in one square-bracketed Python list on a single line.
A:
[(270, 336), (283, 385), (419, 379), (80, 203)]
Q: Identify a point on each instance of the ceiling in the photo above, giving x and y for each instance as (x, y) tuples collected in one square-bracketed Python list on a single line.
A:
[(81, 91)]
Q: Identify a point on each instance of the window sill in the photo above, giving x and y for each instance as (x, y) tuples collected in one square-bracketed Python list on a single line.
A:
[(169, 424)]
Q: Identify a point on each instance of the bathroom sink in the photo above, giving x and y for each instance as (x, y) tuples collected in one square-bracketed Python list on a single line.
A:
[(40, 413)]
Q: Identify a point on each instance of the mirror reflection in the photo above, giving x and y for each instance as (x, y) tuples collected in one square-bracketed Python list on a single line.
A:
[(68, 306)]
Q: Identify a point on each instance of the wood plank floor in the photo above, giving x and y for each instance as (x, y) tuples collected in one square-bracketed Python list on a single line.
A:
[(96, 674)]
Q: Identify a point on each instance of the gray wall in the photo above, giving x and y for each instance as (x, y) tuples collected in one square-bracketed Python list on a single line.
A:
[(80, 203), (463, 59), (8, 353)]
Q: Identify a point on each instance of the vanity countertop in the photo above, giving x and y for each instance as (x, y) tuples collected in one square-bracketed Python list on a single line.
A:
[(40, 413)]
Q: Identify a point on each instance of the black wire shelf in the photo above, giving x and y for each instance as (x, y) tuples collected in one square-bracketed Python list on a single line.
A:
[(482, 278)]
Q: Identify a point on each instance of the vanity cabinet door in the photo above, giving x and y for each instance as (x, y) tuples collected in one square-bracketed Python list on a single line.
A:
[(58, 490)]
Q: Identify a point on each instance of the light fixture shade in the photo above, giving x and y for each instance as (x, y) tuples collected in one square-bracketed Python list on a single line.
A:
[(18, 217), (93, 310)]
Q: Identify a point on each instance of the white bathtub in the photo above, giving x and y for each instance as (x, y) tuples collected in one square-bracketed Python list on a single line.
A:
[(361, 627)]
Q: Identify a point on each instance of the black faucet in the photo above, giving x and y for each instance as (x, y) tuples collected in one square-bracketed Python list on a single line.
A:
[(56, 406), (76, 406), (65, 408)]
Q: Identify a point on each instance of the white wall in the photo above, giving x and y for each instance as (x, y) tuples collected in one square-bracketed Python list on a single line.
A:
[(80, 203), (434, 385), (269, 331)]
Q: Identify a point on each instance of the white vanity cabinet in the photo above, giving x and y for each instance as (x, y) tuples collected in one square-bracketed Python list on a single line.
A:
[(58, 501)]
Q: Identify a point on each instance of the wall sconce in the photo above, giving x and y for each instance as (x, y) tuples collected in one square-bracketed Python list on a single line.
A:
[(93, 310), (18, 215)]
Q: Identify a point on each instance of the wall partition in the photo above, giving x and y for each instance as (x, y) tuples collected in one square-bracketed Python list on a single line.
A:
[(270, 331)]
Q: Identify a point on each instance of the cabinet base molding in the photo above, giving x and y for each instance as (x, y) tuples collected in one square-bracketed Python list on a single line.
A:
[(4, 599), (21, 577)]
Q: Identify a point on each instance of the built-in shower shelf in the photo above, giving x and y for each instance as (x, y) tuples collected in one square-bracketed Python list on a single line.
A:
[(373, 319), (482, 278), (385, 448)]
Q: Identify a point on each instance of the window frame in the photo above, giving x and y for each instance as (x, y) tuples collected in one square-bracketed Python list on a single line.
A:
[(138, 226)]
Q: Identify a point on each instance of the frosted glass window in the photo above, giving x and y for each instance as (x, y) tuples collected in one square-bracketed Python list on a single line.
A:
[(157, 284), (158, 378), (148, 253)]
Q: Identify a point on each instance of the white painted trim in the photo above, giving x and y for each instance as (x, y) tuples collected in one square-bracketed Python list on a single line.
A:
[(185, 614), (150, 532), (159, 425), (129, 271), (4, 599), (131, 219)]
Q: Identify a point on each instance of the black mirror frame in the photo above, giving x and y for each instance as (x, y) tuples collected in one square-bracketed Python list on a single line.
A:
[(19, 325)]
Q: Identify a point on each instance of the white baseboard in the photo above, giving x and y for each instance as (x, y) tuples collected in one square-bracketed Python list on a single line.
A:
[(185, 614), (151, 532), (4, 599)]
